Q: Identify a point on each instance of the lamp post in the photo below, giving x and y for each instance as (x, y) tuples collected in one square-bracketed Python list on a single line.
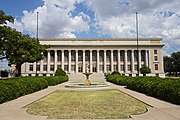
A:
[(137, 44)]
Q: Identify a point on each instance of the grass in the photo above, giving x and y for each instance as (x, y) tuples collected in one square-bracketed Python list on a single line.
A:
[(100, 104)]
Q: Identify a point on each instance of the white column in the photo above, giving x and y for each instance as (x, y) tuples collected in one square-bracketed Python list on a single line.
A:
[(76, 61), (139, 59), (119, 61), (97, 60), (105, 61), (62, 57), (161, 61), (27, 68), (112, 61), (34, 67), (132, 61), (125, 61), (55, 60), (69, 62), (90, 60), (84, 61), (146, 54), (48, 62), (150, 60)]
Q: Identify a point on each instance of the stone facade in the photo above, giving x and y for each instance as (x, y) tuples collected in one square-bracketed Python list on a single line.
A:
[(101, 55)]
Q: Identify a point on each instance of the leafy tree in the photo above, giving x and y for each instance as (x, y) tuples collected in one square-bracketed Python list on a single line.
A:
[(168, 64), (145, 70), (4, 31), (18, 48), (172, 63), (176, 62)]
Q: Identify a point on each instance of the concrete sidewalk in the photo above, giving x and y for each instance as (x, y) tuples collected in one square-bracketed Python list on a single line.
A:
[(13, 110)]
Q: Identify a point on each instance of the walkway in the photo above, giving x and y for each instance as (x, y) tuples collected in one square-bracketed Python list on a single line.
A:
[(13, 110)]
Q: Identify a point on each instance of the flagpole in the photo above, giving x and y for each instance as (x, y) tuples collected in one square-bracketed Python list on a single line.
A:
[(37, 40), (137, 44)]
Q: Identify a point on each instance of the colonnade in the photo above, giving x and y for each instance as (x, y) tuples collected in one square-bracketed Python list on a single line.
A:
[(103, 61)]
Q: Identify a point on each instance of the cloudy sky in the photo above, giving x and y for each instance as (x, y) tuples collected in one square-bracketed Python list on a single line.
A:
[(98, 19)]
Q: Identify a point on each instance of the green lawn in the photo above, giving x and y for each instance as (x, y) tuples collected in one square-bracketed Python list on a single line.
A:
[(100, 104)]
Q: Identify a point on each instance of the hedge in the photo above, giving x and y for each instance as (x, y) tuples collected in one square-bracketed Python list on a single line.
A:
[(167, 89), (13, 88)]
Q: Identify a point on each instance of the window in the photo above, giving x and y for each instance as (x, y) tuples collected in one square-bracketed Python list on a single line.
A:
[(94, 56), (65, 67), (122, 67), (128, 55), (52, 56), (155, 58), (155, 52), (44, 67), (94, 68), (108, 67), (29, 75), (73, 67), (135, 67), (80, 69), (52, 68), (30, 67), (59, 55), (51, 74), (73, 56), (129, 67), (101, 68), (115, 68), (58, 66), (156, 66), (38, 67), (44, 74)]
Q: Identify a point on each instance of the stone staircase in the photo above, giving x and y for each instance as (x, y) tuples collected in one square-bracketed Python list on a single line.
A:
[(79, 77)]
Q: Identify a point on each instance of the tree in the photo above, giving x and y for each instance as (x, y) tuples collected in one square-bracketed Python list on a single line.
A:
[(24, 49), (168, 64), (145, 70), (18, 48), (4, 31), (176, 62), (172, 63)]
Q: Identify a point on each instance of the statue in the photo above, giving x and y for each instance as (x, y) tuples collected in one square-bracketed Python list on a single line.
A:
[(87, 69)]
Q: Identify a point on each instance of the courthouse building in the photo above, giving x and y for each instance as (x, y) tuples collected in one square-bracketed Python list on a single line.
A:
[(100, 55)]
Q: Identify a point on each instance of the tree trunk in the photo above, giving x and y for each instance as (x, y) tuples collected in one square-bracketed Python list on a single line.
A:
[(18, 67), (176, 73)]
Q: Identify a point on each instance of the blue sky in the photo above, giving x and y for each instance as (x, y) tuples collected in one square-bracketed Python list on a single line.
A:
[(98, 19)]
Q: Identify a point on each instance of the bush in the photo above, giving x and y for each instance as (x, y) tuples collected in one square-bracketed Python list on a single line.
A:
[(13, 88), (115, 73), (60, 72), (54, 80), (165, 89)]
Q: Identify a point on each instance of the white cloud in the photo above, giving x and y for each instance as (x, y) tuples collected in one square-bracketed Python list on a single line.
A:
[(55, 20), (157, 18)]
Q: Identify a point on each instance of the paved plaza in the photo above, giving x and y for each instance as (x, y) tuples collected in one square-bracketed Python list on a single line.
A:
[(160, 110)]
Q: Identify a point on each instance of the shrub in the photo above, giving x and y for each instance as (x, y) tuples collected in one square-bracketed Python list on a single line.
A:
[(165, 89), (54, 80), (145, 70), (60, 72), (13, 88), (115, 73)]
